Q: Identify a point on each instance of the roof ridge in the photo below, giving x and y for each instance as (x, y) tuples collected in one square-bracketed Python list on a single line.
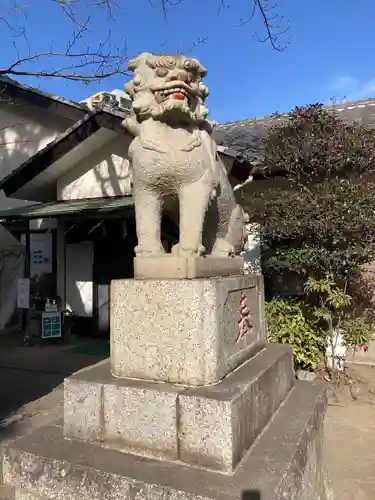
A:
[(10, 81), (360, 103), (259, 119)]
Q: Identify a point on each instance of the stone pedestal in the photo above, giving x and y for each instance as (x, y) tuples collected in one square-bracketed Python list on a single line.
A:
[(206, 426), (192, 405), (285, 462), (191, 332)]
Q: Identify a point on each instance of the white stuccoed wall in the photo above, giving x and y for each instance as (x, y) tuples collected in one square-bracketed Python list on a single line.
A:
[(103, 173), (79, 278), (253, 264), (12, 261), (24, 130)]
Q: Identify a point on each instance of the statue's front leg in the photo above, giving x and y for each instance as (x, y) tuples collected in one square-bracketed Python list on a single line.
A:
[(148, 206), (194, 199)]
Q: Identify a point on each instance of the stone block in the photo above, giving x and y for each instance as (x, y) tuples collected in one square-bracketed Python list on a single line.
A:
[(127, 415), (192, 332), (140, 420), (218, 424), (210, 426), (172, 267), (285, 462), (6, 492), (82, 409)]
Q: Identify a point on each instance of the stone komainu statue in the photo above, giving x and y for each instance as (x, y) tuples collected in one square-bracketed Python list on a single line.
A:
[(174, 158)]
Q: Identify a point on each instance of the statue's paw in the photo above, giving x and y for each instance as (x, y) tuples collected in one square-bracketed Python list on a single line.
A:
[(222, 248), (177, 251), (150, 251)]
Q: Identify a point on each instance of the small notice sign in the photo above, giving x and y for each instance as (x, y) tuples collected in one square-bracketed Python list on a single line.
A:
[(23, 293), (51, 325)]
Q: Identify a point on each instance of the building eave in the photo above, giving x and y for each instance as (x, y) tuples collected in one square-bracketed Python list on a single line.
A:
[(82, 130), (15, 91)]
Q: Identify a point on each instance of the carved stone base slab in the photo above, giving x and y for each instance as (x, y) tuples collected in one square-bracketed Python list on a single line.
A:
[(191, 332), (286, 462), (211, 427), (171, 267)]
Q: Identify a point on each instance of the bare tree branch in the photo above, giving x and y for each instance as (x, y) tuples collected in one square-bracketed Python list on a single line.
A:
[(105, 63), (274, 24), (77, 62)]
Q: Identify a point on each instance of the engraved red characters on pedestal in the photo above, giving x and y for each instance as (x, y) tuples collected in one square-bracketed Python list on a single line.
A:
[(244, 323)]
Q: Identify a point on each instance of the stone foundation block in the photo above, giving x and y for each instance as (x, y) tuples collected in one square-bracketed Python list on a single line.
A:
[(284, 463), (191, 332), (219, 424), (140, 420), (207, 426), (83, 409)]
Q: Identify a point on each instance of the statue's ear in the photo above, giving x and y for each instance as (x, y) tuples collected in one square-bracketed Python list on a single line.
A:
[(202, 71), (133, 64), (137, 61)]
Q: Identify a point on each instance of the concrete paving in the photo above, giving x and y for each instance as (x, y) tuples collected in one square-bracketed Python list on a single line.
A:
[(30, 386), (349, 450), (350, 435)]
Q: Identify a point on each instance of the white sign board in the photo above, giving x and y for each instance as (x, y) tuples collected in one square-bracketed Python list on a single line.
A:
[(40, 254), (23, 293)]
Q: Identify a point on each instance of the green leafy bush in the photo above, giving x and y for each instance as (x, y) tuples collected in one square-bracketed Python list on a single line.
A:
[(312, 323), (356, 332), (287, 324), (316, 230), (312, 142), (319, 229), (323, 221)]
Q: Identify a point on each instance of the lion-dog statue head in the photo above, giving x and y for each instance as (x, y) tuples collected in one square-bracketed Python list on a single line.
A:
[(168, 88)]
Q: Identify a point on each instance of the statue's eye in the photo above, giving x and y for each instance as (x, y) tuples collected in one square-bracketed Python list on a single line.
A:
[(161, 72), (137, 80)]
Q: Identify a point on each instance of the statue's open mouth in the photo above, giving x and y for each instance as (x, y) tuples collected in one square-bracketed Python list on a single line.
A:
[(178, 91)]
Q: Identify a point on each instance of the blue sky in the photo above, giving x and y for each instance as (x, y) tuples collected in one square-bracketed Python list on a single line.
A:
[(330, 51)]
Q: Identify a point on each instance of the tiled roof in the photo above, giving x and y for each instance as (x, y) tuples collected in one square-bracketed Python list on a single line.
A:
[(247, 136), (37, 97), (66, 207), (9, 81)]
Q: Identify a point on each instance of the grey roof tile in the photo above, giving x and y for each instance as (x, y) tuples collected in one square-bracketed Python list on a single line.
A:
[(6, 80), (247, 136)]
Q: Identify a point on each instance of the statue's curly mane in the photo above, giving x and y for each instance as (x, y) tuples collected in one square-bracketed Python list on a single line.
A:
[(151, 72)]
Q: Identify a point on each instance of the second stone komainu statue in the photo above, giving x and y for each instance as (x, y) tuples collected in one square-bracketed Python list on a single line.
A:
[(174, 158)]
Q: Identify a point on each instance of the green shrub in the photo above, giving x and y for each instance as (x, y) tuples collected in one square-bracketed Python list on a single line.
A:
[(356, 332), (320, 230), (312, 142), (313, 322), (324, 222), (287, 324)]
